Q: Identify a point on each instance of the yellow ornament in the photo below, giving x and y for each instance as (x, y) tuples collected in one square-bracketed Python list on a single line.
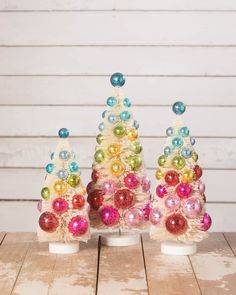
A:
[(117, 168), (60, 187), (178, 162), (187, 175), (113, 149), (73, 180), (162, 160), (195, 156), (132, 134), (159, 174)]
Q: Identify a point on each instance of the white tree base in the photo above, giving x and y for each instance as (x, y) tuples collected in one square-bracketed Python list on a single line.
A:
[(178, 248), (120, 240), (63, 248)]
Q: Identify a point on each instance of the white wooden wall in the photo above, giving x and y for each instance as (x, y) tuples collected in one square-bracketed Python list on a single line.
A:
[(55, 61)]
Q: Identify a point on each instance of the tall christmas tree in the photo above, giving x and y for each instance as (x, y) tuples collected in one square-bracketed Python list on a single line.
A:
[(119, 191), (63, 208), (178, 212)]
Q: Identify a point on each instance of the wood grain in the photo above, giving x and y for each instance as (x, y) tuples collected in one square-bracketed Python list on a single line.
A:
[(169, 275), (231, 239)]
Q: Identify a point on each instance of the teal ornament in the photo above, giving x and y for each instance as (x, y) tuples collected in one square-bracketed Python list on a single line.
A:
[(125, 116), (136, 124), (170, 131), (112, 118), (111, 101), (62, 174), (104, 114), (73, 167), (52, 156), (117, 80), (101, 126), (64, 155), (184, 131), (177, 142), (63, 133), (186, 153), (178, 108), (49, 168), (192, 140), (167, 150), (126, 102)]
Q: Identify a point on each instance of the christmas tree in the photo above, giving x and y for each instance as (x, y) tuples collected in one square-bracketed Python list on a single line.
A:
[(63, 208), (178, 212), (119, 191)]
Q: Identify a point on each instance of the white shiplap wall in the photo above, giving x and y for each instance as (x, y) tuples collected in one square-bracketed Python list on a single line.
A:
[(55, 61)]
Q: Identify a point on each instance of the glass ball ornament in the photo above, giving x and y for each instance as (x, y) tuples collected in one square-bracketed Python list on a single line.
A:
[(64, 155), (63, 133), (145, 184), (201, 187), (197, 172), (134, 217), (62, 174), (192, 140), (192, 207), (52, 156), (60, 205), (161, 191), (109, 215), (45, 193), (131, 181), (172, 203), (49, 168), (73, 167), (99, 156), (162, 160), (111, 101), (186, 153), (40, 205), (178, 162), (187, 175), (78, 225), (155, 216), (73, 180), (168, 151), (132, 134), (159, 175), (178, 108), (125, 116), (119, 131), (147, 210), (113, 150), (109, 186), (136, 124), (205, 222), (136, 147), (101, 126), (90, 187), (184, 131), (170, 131), (135, 162), (60, 187), (48, 222), (117, 168), (194, 156), (172, 178), (78, 201), (177, 142), (126, 102), (176, 224), (96, 199), (112, 118), (95, 175), (124, 198), (104, 114), (99, 138), (184, 190), (117, 80)]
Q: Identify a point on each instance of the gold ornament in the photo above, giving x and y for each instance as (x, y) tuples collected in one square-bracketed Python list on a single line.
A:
[(162, 160), (159, 174), (113, 150), (60, 187), (117, 168), (132, 134), (195, 156), (187, 176)]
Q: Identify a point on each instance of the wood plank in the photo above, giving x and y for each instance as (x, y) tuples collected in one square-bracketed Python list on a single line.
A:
[(50, 274), (161, 28), (46, 121), (215, 266), (152, 90), (12, 254), (231, 239), (169, 275), (122, 271), (163, 61)]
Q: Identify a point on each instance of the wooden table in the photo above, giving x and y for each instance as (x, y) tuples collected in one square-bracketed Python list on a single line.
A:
[(26, 268)]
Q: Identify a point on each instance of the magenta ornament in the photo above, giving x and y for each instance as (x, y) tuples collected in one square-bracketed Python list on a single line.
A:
[(131, 181), (146, 184), (205, 222), (161, 191), (134, 217), (109, 215), (146, 210), (78, 225), (192, 207), (60, 205), (172, 202), (201, 187), (184, 190), (155, 216), (109, 186)]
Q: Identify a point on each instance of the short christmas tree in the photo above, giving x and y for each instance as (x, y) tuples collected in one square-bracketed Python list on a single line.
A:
[(119, 191), (63, 208), (178, 212)]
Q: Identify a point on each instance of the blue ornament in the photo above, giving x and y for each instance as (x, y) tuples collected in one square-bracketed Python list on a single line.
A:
[(178, 108), (177, 142), (126, 102), (170, 131), (112, 118), (73, 167), (101, 126), (63, 133), (52, 156), (104, 114), (167, 150), (111, 101), (184, 131), (49, 168), (192, 140), (117, 80), (62, 174), (64, 155), (186, 153), (125, 116), (136, 124)]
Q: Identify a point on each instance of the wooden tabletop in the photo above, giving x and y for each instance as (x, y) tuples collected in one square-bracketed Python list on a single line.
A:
[(26, 268)]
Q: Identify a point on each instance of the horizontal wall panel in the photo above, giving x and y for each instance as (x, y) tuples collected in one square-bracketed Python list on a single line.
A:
[(159, 28), (203, 61), (83, 120), (27, 183), (214, 153)]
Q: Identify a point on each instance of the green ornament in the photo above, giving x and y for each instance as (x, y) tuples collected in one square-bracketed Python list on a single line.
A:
[(99, 138), (137, 147), (178, 162), (135, 162), (73, 180), (99, 156), (195, 156), (162, 160), (119, 131), (45, 193)]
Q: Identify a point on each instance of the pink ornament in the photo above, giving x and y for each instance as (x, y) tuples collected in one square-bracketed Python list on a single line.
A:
[(40, 205), (146, 184), (109, 186), (87, 207), (192, 207), (78, 225), (131, 181), (60, 205), (146, 210), (134, 217), (201, 187), (109, 215), (184, 190), (205, 222), (155, 216), (172, 202), (161, 191)]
